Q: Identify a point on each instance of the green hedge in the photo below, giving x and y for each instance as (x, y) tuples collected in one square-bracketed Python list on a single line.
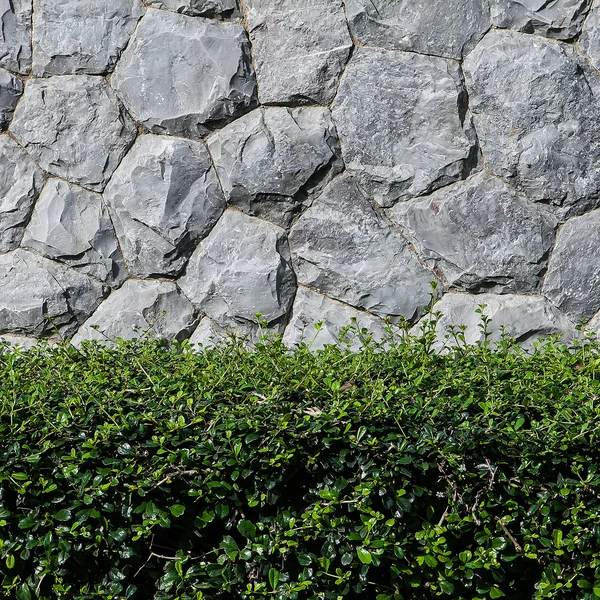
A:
[(145, 472)]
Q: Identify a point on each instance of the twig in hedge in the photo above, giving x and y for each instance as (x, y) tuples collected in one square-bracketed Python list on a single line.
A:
[(518, 548), (171, 475)]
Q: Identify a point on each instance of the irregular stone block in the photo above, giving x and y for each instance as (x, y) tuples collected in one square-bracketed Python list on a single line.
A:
[(343, 248), (300, 49), (270, 158), (199, 8), (164, 198), (15, 35), (560, 19), (311, 308), (74, 128), (183, 75), (447, 28), (534, 104), (141, 309), (81, 36), (71, 225), (589, 40), (242, 268), (20, 185), (39, 297), (208, 334), (18, 341), (411, 136), (480, 235), (11, 88)]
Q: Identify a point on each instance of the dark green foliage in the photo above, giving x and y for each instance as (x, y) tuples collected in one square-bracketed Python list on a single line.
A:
[(149, 473)]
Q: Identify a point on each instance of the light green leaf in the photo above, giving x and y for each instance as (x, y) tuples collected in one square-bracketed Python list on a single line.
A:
[(496, 593), (273, 578), (177, 510), (364, 556)]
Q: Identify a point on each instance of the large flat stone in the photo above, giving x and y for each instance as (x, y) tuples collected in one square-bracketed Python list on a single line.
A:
[(536, 107), (448, 28), (20, 185), (141, 309), (39, 297), (15, 35), (480, 235), (199, 8), (271, 159), (164, 197), (343, 248), (185, 75), (242, 268), (11, 88), (73, 127), (71, 225), (300, 49), (411, 136)]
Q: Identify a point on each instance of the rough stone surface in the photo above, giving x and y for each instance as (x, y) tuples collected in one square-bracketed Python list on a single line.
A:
[(15, 35), (573, 279), (208, 334), (534, 105), (300, 49), (81, 36), (410, 137), (185, 75), (20, 185), (343, 248), (141, 309), (164, 198), (73, 127), (270, 159), (199, 8), (589, 41), (560, 19), (71, 225), (242, 268), (480, 235), (447, 28), (39, 297), (11, 88)]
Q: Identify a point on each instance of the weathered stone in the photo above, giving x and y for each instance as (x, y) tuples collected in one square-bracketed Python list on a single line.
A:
[(141, 309), (560, 19), (199, 8), (573, 279), (448, 28), (343, 248), (164, 198), (534, 104), (81, 36), (74, 127), (311, 308), (208, 334), (270, 158), (185, 75), (589, 40), (300, 49), (18, 341), (242, 268), (411, 136), (15, 35), (480, 235), (71, 225), (11, 88), (20, 185), (39, 297)]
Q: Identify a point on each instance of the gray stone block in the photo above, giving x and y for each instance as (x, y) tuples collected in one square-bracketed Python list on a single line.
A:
[(343, 248), (71, 225), (199, 8), (480, 235), (164, 198), (73, 127), (300, 49), (185, 75), (208, 334), (15, 35), (589, 41), (11, 88), (412, 135), (270, 160)]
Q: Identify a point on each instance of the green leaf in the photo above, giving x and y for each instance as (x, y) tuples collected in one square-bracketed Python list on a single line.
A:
[(273, 578), (230, 546), (496, 592), (446, 586), (247, 529), (557, 536), (364, 556), (63, 515), (177, 510), (23, 592), (597, 592), (304, 560), (20, 476), (10, 561), (518, 423)]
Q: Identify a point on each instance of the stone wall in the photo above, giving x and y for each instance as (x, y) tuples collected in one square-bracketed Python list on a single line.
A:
[(182, 165)]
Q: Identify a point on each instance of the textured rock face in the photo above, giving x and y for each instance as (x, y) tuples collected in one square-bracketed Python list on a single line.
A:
[(480, 235), (267, 157), (343, 248), (81, 36), (164, 198), (534, 106), (208, 334), (73, 127), (11, 88), (589, 41), (410, 137), (20, 185), (242, 268), (15, 35), (447, 28), (72, 226), (183, 75), (198, 8), (299, 49)]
